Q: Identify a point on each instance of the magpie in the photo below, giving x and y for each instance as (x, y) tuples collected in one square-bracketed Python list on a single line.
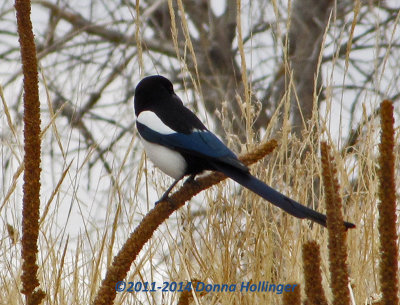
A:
[(179, 144)]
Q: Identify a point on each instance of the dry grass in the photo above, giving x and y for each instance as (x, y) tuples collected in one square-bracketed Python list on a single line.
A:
[(226, 235)]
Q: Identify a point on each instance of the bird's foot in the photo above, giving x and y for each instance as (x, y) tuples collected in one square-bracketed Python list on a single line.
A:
[(163, 198), (191, 180)]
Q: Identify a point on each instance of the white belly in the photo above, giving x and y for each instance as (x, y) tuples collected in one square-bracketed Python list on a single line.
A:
[(169, 161)]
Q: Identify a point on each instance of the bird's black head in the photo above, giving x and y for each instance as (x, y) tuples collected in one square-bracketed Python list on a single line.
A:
[(150, 91)]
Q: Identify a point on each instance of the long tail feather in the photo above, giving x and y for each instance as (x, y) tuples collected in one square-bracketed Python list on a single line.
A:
[(276, 198)]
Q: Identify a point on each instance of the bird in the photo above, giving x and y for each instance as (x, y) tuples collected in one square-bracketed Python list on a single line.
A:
[(180, 145)]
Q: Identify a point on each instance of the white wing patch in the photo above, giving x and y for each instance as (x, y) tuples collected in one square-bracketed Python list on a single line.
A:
[(152, 121)]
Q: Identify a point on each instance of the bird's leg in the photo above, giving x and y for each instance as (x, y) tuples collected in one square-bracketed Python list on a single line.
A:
[(166, 193)]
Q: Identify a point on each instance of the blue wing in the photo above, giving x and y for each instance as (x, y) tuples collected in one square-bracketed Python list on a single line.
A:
[(201, 143)]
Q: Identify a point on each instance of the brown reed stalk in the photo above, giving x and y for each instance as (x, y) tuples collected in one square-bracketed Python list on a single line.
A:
[(31, 187), (336, 230), (143, 232), (388, 265), (312, 273), (293, 297), (186, 296)]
